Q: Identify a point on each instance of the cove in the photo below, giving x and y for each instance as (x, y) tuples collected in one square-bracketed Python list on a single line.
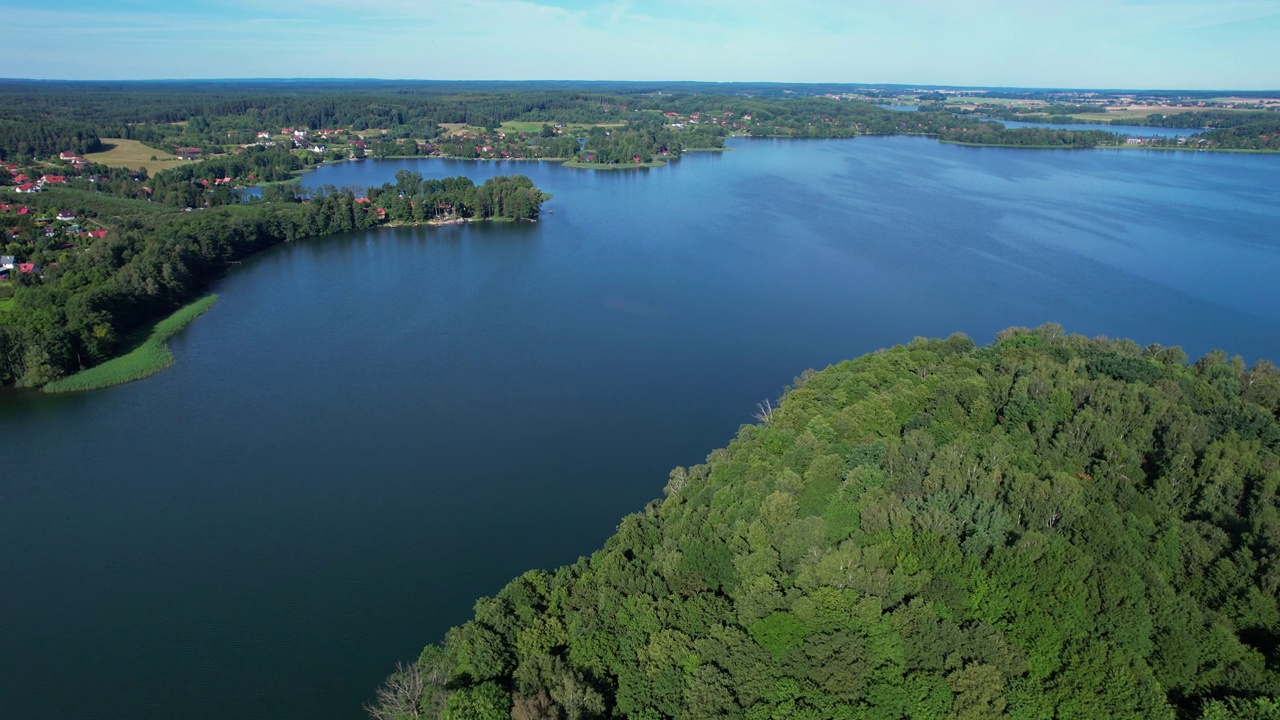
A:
[(370, 431)]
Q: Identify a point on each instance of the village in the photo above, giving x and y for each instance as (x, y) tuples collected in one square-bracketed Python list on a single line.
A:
[(29, 228)]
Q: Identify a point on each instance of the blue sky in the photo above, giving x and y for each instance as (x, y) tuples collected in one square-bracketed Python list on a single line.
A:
[(1065, 43)]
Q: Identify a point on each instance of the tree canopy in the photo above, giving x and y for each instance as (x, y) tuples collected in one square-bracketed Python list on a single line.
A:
[(1050, 526)]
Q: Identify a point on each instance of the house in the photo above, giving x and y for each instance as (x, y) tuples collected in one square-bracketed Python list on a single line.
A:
[(264, 135), (7, 262), (28, 188), (222, 181), (53, 179), (97, 234), (66, 216), (189, 153), (26, 267), (68, 156), (23, 210), (21, 178)]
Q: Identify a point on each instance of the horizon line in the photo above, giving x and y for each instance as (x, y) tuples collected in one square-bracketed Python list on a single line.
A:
[(922, 86)]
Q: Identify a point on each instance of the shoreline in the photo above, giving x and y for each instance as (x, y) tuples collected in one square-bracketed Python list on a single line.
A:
[(149, 357)]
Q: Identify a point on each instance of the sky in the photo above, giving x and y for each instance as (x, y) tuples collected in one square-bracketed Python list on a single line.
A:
[(1167, 44)]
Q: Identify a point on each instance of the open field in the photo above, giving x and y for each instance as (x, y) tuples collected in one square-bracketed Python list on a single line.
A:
[(133, 154), (6, 304), (515, 126), (1007, 102), (150, 356), (456, 129), (1247, 101)]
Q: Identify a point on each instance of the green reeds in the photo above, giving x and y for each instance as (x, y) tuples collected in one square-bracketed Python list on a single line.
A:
[(146, 359)]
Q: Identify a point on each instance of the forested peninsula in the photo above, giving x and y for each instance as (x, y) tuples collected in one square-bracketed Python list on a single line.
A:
[(1049, 526)]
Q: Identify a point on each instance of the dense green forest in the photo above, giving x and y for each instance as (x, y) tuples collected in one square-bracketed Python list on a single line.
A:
[(80, 308), (1047, 527)]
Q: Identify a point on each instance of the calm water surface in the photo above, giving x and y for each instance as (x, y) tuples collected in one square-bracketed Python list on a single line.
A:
[(370, 431)]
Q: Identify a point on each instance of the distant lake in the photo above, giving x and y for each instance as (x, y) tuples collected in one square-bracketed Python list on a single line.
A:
[(1126, 130), (370, 431)]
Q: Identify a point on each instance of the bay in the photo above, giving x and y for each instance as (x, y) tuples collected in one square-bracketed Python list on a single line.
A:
[(370, 431)]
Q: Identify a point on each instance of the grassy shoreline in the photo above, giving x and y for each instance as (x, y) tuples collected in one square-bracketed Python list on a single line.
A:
[(150, 357)]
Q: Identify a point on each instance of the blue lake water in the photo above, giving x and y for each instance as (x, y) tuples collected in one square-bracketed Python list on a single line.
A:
[(369, 431)]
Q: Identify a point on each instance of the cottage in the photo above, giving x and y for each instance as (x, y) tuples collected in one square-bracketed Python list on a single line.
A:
[(264, 135), (53, 179), (26, 267), (68, 156), (7, 262), (28, 188), (66, 216), (189, 153)]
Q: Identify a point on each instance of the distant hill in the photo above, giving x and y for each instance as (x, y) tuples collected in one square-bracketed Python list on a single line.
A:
[(1047, 527)]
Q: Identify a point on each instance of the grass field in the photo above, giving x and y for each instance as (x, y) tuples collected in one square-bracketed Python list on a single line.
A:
[(1007, 102), (150, 357), (6, 304), (133, 154)]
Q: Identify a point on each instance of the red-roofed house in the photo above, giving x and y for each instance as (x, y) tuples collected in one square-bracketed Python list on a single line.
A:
[(69, 156), (264, 135), (98, 234), (28, 188), (26, 267), (22, 178), (53, 179), (23, 210)]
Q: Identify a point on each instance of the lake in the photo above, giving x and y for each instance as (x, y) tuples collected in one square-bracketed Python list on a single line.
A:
[(370, 431)]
